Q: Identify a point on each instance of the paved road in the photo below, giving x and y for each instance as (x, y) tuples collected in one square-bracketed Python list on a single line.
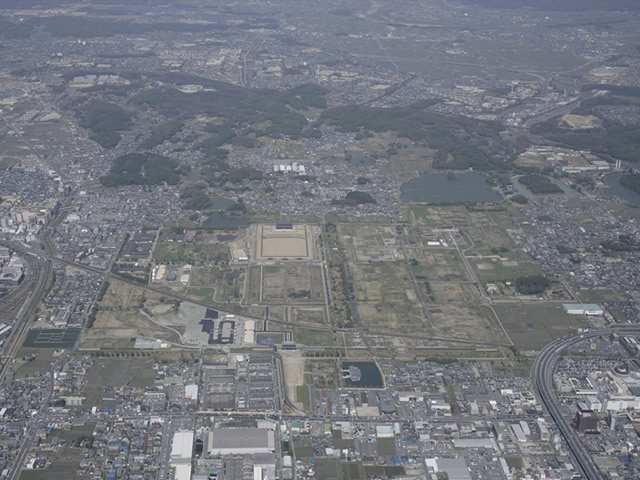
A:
[(542, 380)]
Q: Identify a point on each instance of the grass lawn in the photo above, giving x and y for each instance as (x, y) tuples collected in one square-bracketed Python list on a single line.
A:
[(386, 447), (302, 447), (313, 338), (533, 325), (63, 466)]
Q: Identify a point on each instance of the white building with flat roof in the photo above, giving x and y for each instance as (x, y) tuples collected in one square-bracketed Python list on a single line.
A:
[(182, 446), (240, 441), (590, 309), (183, 472)]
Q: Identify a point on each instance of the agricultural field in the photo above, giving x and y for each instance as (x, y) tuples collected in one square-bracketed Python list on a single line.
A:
[(286, 284), (533, 325), (385, 296), (51, 338)]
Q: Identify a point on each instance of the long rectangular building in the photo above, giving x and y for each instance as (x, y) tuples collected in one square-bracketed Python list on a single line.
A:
[(583, 309), (240, 441), (182, 446)]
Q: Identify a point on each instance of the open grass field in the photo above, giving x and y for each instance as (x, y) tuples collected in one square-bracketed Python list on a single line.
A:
[(518, 367), (302, 397), (385, 296), (354, 471), (314, 338), (227, 281), (436, 215), (286, 284), (485, 241), (119, 314), (601, 295), (444, 292), (189, 253), (491, 270), (294, 375), (533, 325), (322, 372), (63, 466), (306, 315), (408, 162), (377, 471), (531, 160), (328, 469), (114, 373), (386, 446), (441, 265), (363, 236), (71, 436), (33, 368), (303, 447), (340, 442), (466, 321), (204, 294)]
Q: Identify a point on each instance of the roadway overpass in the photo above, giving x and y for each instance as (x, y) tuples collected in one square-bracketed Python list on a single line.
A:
[(542, 381)]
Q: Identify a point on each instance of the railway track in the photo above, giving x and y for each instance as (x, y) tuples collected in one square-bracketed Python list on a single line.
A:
[(24, 319), (11, 303)]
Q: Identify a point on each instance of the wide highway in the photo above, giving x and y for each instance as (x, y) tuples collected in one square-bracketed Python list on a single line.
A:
[(542, 380)]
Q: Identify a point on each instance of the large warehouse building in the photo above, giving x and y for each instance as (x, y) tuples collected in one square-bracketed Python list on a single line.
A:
[(590, 309), (182, 446), (181, 451), (240, 441)]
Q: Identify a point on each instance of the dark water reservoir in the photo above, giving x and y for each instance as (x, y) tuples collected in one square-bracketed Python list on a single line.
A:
[(442, 188)]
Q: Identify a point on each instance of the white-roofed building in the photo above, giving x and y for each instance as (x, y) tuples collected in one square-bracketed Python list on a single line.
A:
[(240, 441), (191, 391), (183, 472), (182, 446)]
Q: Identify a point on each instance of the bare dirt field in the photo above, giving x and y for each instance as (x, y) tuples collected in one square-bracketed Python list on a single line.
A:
[(297, 243), (119, 314)]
